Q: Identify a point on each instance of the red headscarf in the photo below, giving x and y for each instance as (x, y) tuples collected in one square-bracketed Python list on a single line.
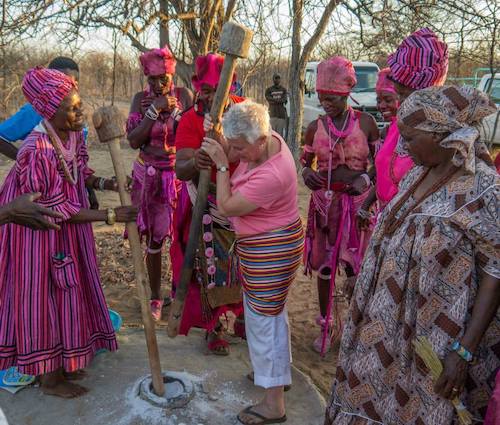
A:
[(45, 89), (158, 62), (208, 69)]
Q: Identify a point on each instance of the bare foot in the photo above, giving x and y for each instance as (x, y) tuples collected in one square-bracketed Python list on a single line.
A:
[(54, 383), (262, 411), (77, 375)]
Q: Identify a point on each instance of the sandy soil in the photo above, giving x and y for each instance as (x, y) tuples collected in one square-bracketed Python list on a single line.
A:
[(118, 278)]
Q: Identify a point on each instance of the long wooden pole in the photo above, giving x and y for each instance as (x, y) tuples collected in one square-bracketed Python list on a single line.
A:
[(235, 42), (108, 122)]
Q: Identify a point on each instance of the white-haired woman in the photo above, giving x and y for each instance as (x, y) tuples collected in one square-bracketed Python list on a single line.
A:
[(261, 200)]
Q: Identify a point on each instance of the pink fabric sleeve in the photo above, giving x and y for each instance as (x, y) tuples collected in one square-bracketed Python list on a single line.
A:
[(133, 120), (262, 189), (38, 173)]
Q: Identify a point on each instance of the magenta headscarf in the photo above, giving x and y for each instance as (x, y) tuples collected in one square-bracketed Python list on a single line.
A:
[(384, 84), (207, 70), (45, 89), (420, 61), (336, 76), (158, 62)]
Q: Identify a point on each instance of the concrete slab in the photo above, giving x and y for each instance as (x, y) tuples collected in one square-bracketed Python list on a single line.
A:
[(222, 389)]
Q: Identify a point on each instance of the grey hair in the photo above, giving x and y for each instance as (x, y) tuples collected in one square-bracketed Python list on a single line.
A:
[(248, 120)]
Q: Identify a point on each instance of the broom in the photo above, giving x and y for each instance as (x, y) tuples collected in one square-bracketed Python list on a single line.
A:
[(424, 349)]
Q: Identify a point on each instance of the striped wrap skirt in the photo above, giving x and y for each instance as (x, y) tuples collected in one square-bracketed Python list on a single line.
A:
[(268, 263)]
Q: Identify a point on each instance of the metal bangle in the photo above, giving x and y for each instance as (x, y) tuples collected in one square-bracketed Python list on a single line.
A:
[(102, 182), (367, 179), (363, 214), (303, 169), (152, 113)]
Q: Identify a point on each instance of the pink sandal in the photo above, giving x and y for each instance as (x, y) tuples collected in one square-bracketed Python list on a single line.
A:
[(156, 307)]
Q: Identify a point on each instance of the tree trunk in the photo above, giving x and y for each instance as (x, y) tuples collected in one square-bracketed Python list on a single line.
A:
[(164, 25)]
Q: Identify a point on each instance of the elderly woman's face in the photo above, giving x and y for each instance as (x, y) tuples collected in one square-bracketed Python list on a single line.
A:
[(69, 115), (160, 84), (423, 146), (241, 150)]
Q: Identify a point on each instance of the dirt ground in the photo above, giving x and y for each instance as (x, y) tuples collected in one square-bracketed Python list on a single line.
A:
[(118, 278)]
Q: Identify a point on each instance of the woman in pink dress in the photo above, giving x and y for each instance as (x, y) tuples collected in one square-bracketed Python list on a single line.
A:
[(150, 128), (420, 61), (52, 309), (341, 141)]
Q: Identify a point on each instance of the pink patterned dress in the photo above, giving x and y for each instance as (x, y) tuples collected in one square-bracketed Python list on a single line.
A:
[(52, 309), (332, 235), (155, 186)]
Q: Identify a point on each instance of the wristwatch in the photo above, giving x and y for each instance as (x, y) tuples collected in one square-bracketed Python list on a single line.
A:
[(111, 216), (222, 168)]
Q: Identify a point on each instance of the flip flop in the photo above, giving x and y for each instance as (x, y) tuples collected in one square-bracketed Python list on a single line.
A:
[(264, 421), (250, 377)]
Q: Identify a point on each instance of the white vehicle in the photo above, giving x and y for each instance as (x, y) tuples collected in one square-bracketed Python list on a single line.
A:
[(490, 127), (363, 96)]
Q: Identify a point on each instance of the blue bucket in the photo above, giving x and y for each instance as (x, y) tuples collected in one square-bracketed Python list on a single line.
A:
[(116, 320)]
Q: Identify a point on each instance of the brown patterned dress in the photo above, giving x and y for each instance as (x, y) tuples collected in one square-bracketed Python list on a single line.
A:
[(422, 280)]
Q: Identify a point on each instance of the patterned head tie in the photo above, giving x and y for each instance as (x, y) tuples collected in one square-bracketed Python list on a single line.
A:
[(158, 62), (455, 111), (336, 76), (45, 89), (420, 61), (384, 84), (208, 70)]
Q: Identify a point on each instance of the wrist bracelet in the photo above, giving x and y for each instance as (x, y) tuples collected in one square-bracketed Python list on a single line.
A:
[(367, 179), (111, 216), (102, 182), (152, 113), (362, 213), (303, 169), (462, 351)]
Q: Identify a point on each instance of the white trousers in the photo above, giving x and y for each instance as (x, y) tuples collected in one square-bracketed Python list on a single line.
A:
[(268, 339)]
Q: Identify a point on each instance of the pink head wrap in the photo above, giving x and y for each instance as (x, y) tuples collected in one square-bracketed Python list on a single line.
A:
[(420, 61), (158, 62), (383, 83), (336, 76), (207, 71), (45, 89)]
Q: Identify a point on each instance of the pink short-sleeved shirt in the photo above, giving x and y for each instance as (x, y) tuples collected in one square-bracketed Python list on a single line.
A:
[(272, 186)]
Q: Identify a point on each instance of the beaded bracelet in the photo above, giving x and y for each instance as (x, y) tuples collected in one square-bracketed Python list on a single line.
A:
[(462, 351)]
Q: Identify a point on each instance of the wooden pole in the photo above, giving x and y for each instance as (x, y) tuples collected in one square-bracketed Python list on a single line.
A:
[(108, 122), (235, 43)]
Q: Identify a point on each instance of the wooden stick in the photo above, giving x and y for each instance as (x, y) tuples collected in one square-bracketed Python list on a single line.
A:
[(108, 122)]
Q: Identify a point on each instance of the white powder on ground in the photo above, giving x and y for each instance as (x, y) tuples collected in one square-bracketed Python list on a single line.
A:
[(217, 406)]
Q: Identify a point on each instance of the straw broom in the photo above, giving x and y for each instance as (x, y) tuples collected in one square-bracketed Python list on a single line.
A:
[(424, 349)]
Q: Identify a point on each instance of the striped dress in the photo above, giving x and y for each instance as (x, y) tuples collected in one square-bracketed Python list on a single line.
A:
[(52, 309), (268, 264)]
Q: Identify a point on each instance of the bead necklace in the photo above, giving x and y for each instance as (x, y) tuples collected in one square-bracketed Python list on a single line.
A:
[(392, 222), (345, 131), (62, 153)]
